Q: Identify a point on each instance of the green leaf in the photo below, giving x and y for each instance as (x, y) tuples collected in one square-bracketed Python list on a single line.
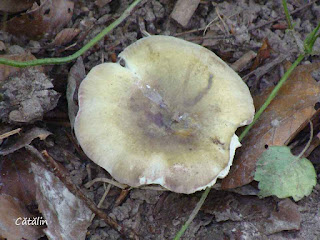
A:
[(284, 175)]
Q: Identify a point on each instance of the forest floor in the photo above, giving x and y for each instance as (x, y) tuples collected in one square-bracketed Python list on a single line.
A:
[(230, 29)]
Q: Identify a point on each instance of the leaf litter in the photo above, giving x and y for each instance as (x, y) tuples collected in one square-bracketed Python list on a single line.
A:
[(25, 139), (162, 228), (44, 20), (18, 197), (27, 96), (12, 209), (292, 107), (67, 216), (14, 6)]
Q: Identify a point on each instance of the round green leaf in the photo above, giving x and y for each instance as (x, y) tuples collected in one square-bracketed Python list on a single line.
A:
[(284, 175)]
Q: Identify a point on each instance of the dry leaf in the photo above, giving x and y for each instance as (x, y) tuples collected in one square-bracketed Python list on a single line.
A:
[(263, 54), (65, 36), (76, 75), (42, 21), (12, 210), (25, 139), (14, 6), (287, 217), (16, 179), (67, 216), (292, 107), (280, 26)]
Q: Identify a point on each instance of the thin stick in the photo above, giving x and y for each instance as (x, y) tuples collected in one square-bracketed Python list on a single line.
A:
[(10, 133), (91, 43), (105, 180), (309, 141), (106, 191)]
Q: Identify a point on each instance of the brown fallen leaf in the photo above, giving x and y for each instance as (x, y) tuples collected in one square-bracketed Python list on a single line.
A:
[(263, 54), (287, 217), (16, 180), (41, 21), (293, 106), (25, 139), (65, 36), (76, 75), (14, 6), (67, 216), (12, 212), (226, 206)]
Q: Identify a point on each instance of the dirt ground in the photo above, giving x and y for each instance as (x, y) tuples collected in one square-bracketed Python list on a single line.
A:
[(228, 28)]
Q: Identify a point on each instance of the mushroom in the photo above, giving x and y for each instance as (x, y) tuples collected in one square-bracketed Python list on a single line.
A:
[(167, 117)]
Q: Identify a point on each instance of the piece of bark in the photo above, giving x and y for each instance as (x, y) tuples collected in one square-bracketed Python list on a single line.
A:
[(242, 62), (183, 11)]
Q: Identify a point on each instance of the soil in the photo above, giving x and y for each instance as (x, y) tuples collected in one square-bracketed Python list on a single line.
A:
[(156, 214)]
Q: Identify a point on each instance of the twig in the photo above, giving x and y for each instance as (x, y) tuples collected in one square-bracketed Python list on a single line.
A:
[(208, 25), (309, 141), (107, 189), (313, 145), (8, 134), (239, 65), (91, 43), (226, 28), (77, 192), (190, 31), (106, 180), (259, 72), (123, 194)]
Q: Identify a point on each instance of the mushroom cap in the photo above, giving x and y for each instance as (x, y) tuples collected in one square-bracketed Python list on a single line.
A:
[(168, 117)]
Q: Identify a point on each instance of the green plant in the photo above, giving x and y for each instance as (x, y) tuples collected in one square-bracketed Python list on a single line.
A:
[(90, 44)]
